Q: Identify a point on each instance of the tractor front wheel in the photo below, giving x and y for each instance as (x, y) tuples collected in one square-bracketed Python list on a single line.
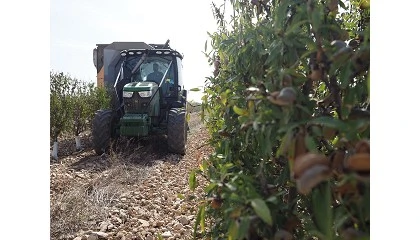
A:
[(102, 127), (177, 131)]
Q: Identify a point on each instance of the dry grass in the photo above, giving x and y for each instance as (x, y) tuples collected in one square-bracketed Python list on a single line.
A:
[(84, 204), (71, 211)]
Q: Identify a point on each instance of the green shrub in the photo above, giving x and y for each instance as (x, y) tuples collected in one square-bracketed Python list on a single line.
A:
[(73, 104), (60, 104)]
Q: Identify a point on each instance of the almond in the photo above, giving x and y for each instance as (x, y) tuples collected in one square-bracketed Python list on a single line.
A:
[(288, 94), (338, 161), (312, 177), (363, 146), (333, 5), (329, 133), (327, 100), (338, 44), (287, 80), (216, 203), (306, 161), (358, 162), (347, 188), (283, 235), (342, 54), (300, 146), (316, 75), (283, 98)]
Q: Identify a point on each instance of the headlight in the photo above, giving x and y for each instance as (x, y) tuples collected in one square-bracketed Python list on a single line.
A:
[(145, 94), (127, 94)]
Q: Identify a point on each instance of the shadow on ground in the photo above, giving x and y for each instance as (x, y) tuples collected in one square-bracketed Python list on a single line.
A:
[(128, 151)]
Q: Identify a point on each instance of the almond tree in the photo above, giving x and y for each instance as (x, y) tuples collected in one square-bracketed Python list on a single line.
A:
[(288, 112)]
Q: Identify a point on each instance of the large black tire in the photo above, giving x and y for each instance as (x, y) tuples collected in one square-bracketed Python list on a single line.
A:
[(102, 131), (177, 131)]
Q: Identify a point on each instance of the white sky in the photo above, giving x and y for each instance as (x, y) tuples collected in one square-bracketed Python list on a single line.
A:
[(77, 26)]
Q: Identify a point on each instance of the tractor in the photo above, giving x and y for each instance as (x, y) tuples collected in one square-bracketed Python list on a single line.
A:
[(147, 94)]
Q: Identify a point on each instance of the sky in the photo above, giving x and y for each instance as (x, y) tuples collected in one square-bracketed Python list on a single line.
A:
[(77, 26)]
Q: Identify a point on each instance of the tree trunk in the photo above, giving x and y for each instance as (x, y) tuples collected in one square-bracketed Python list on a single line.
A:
[(54, 153), (78, 143)]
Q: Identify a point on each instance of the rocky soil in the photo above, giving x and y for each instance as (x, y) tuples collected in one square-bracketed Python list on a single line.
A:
[(139, 191)]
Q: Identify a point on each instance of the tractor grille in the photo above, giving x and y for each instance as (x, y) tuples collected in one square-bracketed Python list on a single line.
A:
[(136, 104)]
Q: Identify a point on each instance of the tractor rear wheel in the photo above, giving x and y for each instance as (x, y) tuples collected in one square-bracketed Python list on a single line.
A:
[(102, 126), (177, 131)]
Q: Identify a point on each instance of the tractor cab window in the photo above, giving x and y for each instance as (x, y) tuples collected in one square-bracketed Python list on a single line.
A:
[(158, 69), (168, 86), (154, 69)]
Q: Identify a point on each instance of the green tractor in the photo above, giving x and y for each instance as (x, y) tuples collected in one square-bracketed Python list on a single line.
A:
[(148, 96)]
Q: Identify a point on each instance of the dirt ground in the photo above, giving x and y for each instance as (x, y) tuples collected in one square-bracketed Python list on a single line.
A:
[(138, 191)]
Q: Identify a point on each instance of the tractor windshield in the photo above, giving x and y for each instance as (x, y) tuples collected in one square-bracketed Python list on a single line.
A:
[(152, 68)]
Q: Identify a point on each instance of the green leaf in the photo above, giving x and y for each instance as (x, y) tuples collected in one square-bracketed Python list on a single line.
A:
[(304, 109), (322, 87), (342, 5), (329, 122), (228, 42), (281, 11), (344, 76), (316, 233), (180, 196), (268, 148), (210, 187), (273, 199), (202, 220), (240, 111), (285, 143), (192, 181), (198, 220), (311, 144), (289, 42), (195, 89), (262, 210), (341, 217), (295, 26), (335, 141), (233, 230), (243, 228), (203, 166), (322, 210), (316, 18), (316, 131), (231, 187), (368, 84)]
